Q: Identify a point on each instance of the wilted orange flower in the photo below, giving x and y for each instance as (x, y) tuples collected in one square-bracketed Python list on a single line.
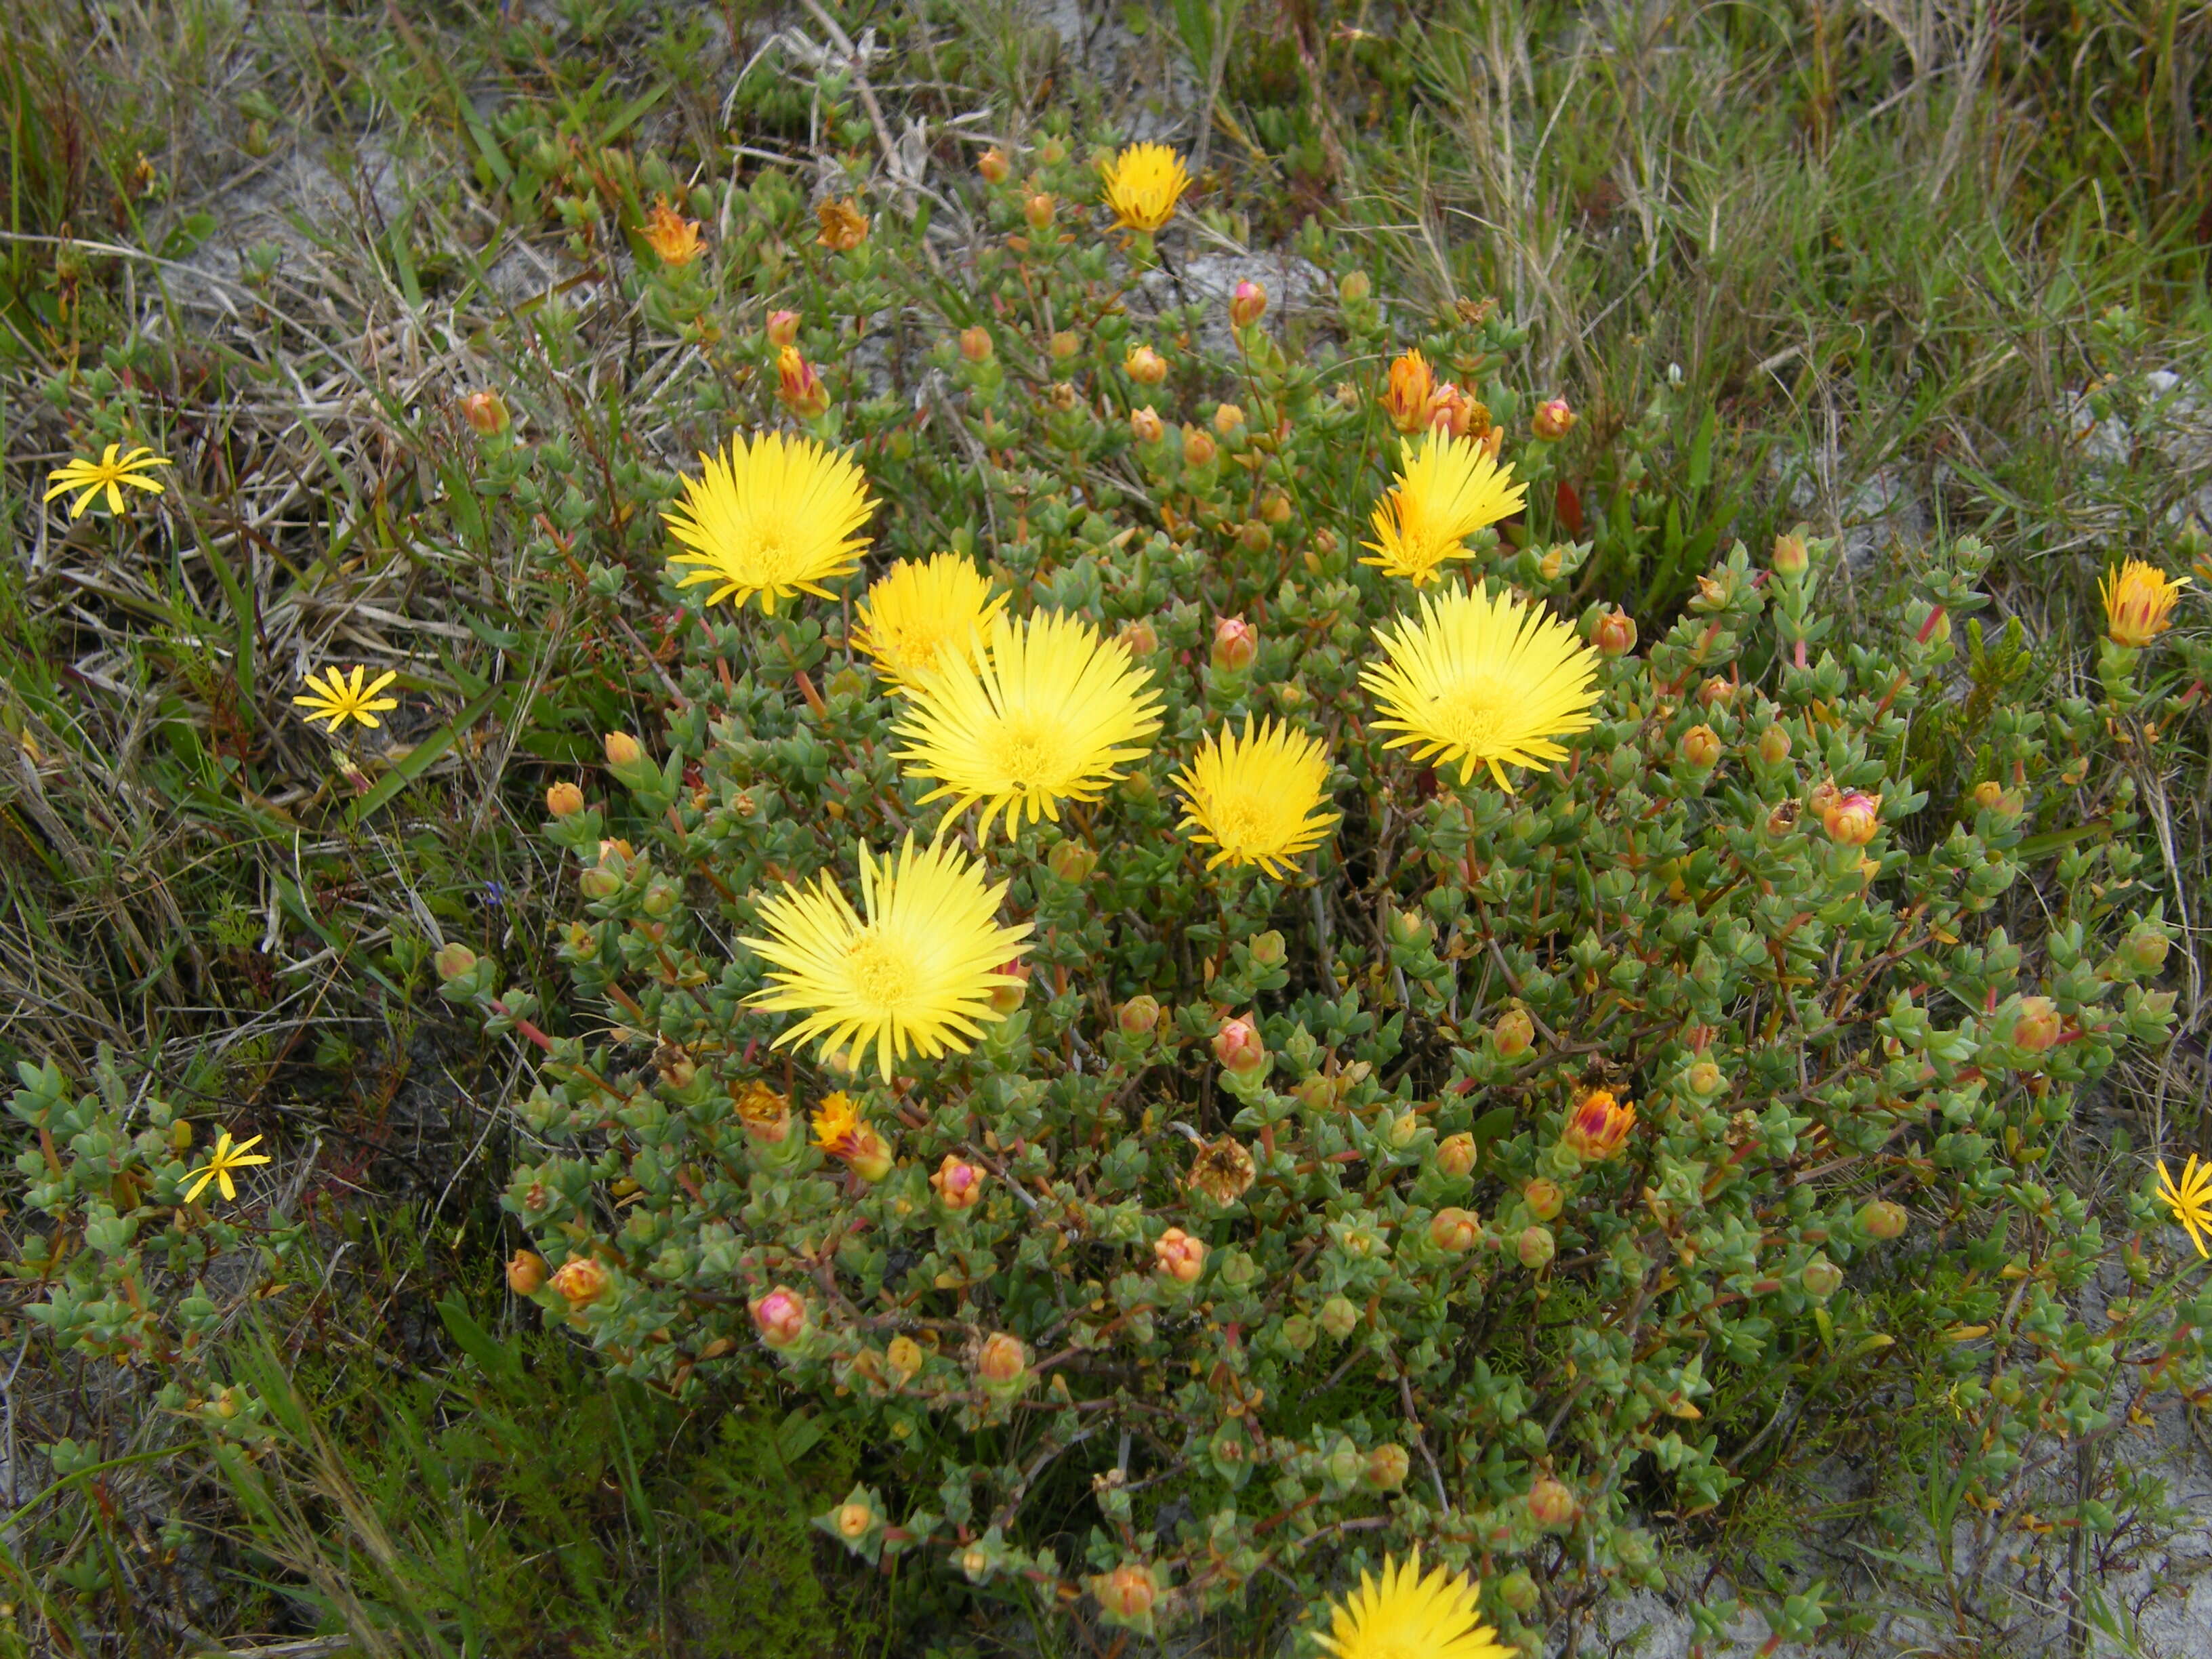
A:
[(844, 227), (1598, 1126), (1410, 392), (841, 1131), (673, 238)]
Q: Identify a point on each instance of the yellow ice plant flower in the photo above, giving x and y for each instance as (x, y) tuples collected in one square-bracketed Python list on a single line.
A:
[(921, 614), (331, 696), (1446, 491), (2190, 1199), (772, 515), (1406, 1616), (1049, 714), (914, 969), (1257, 799), (110, 472), (1143, 184), (1482, 680), (2138, 603), (220, 1162), (673, 238)]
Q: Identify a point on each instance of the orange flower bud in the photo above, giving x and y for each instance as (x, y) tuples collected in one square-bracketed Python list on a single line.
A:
[(1701, 748), (1513, 1033), (976, 344), (485, 412), (1145, 366), (1003, 1362), (1553, 420), (855, 1521), (903, 1356), (622, 749), (992, 165), (525, 1273), (1774, 746), (1177, 1255), (1129, 1592), (1456, 1155), (1039, 210), (1387, 1465), (1852, 819), (1614, 634), (2038, 1026), (1791, 556), (1551, 1505), (1544, 1198), (1140, 637), (1455, 1231), (1065, 344), (1198, 446), (563, 800), (959, 1185), (1146, 426), (1227, 418)]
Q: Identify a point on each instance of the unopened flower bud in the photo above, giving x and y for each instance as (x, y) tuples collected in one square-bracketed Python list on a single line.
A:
[(1247, 305), (1553, 420), (1198, 446), (782, 329), (1003, 1362), (2145, 949), (622, 748), (1127, 1593), (1701, 748), (976, 344), (1179, 1256), (1536, 1247), (1275, 508), (1052, 152), (1551, 1505), (1989, 794), (780, 1317), (1254, 536), (2038, 1026), (1005, 999), (1387, 1466), (1704, 1078), (1038, 210), (959, 1185), (1518, 1591), (1339, 1317), (1513, 1034), (1236, 643), (902, 1358), (1227, 418), (1357, 286), (1454, 1231), (1146, 426), (1268, 948), (1456, 1155), (1145, 366), (992, 165), (1238, 1047), (1821, 1278), (1299, 1333), (1791, 556), (1614, 634), (1853, 819), (525, 1273), (1883, 1219), (453, 959), (1544, 1198), (485, 412), (1073, 861), (1065, 344), (1774, 746), (581, 1280), (855, 1521), (1138, 1015), (564, 799), (798, 385)]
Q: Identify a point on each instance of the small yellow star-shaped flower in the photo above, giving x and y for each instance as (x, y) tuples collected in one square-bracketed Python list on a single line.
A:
[(220, 1162), (333, 698), (110, 472)]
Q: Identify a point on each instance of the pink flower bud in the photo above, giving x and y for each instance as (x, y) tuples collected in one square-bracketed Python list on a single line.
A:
[(454, 960), (779, 1316), (959, 1185), (1179, 1256), (782, 329), (1791, 556), (1237, 1046), (1236, 643), (1852, 819), (1455, 1231), (1553, 420), (1247, 305)]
